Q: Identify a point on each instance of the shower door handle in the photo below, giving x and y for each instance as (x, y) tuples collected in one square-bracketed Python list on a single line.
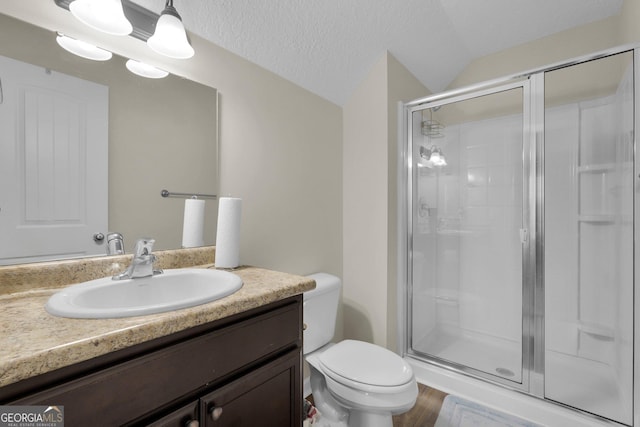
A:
[(524, 235)]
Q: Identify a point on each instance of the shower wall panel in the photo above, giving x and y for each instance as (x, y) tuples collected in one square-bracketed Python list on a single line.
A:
[(561, 124), (491, 212), (588, 268)]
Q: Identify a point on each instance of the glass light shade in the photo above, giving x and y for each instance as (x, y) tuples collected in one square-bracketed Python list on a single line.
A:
[(424, 163), (83, 49), (145, 70), (170, 38), (437, 159), (102, 15)]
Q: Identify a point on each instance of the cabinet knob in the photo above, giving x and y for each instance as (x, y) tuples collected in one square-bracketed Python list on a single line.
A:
[(216, 413), (192, 423)]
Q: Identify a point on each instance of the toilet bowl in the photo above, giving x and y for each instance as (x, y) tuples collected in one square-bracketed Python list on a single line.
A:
[(354, 383)]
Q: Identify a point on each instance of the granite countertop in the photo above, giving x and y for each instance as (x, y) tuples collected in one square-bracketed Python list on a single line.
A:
[(34, 342)]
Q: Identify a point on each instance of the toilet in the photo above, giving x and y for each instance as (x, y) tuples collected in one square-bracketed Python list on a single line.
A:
[(354, 383)]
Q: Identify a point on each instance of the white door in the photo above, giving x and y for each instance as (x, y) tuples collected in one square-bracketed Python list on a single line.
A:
[(53, 164)]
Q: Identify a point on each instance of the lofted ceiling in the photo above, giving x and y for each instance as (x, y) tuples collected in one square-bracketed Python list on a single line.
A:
[(329, 46)]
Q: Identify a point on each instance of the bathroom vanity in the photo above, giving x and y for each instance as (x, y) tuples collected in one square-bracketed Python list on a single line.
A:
[(235, 361)]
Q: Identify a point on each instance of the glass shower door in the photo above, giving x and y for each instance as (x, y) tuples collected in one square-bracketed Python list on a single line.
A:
[(468, 232), (588, 250)]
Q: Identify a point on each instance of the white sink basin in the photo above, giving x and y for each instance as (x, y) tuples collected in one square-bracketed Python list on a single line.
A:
[(171, 290)]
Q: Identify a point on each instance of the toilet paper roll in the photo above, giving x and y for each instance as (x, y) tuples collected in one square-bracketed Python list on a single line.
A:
[(193, 224), (228, 233)]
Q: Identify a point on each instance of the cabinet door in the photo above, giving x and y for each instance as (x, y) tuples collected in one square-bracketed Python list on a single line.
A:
[(270, 396)]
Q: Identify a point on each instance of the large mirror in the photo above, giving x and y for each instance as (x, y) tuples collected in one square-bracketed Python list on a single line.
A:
[(162, 134)]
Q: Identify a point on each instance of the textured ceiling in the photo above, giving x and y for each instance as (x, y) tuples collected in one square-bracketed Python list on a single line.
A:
[(329, 46)]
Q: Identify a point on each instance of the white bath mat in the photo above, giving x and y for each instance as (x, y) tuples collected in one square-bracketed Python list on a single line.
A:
[(458, 412)]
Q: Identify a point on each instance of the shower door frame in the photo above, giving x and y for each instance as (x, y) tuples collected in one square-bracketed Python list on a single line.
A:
[(533, 266), (528, 222)]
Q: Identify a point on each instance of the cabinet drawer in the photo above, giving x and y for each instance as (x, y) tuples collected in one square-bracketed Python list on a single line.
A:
[(132, 389)]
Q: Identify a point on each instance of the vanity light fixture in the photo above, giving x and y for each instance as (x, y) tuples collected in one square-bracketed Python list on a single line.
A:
[(145, 70), (165, 33), (83, 49), (170, 37), (102, 15)]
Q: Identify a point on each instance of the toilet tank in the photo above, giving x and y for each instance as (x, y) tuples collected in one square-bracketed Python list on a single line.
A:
[(320, 309)]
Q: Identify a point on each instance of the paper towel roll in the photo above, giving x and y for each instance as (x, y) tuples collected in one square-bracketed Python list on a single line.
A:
[(228, 232), (193, 224)]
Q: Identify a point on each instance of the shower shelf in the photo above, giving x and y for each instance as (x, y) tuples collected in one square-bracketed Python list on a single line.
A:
[(605, 219), (604, 167), (600, 332), (445, 299)]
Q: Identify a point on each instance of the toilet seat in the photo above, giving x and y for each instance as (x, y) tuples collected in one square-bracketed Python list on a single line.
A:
[(367, 367)]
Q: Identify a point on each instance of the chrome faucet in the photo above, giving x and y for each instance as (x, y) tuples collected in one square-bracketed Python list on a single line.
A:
[(142, 262)]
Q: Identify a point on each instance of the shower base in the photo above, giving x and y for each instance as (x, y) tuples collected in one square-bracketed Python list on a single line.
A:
[(511, 402), (494, 356), (597, 391), (584, 383)]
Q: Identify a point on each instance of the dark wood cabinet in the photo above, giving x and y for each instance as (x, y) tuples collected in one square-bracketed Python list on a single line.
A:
[(253, 400), (245, 369)]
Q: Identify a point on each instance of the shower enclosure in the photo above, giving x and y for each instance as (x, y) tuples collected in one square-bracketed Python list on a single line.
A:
[(520, 233)]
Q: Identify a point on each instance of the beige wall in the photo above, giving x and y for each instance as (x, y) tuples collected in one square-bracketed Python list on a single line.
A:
[(629, 28), (280, 147), (600, 35), (280, 150), (369, 201), (364, 218)]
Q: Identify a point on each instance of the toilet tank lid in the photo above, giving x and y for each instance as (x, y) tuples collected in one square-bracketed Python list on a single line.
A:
[(324, 283), (366, 363)]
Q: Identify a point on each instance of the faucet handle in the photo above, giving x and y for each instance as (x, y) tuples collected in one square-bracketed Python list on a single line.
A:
[(143, 247)]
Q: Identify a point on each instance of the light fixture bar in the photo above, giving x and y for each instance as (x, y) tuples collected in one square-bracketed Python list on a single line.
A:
[(143, 20)]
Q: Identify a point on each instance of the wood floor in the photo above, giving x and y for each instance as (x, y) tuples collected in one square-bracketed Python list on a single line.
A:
[(425, 412)]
